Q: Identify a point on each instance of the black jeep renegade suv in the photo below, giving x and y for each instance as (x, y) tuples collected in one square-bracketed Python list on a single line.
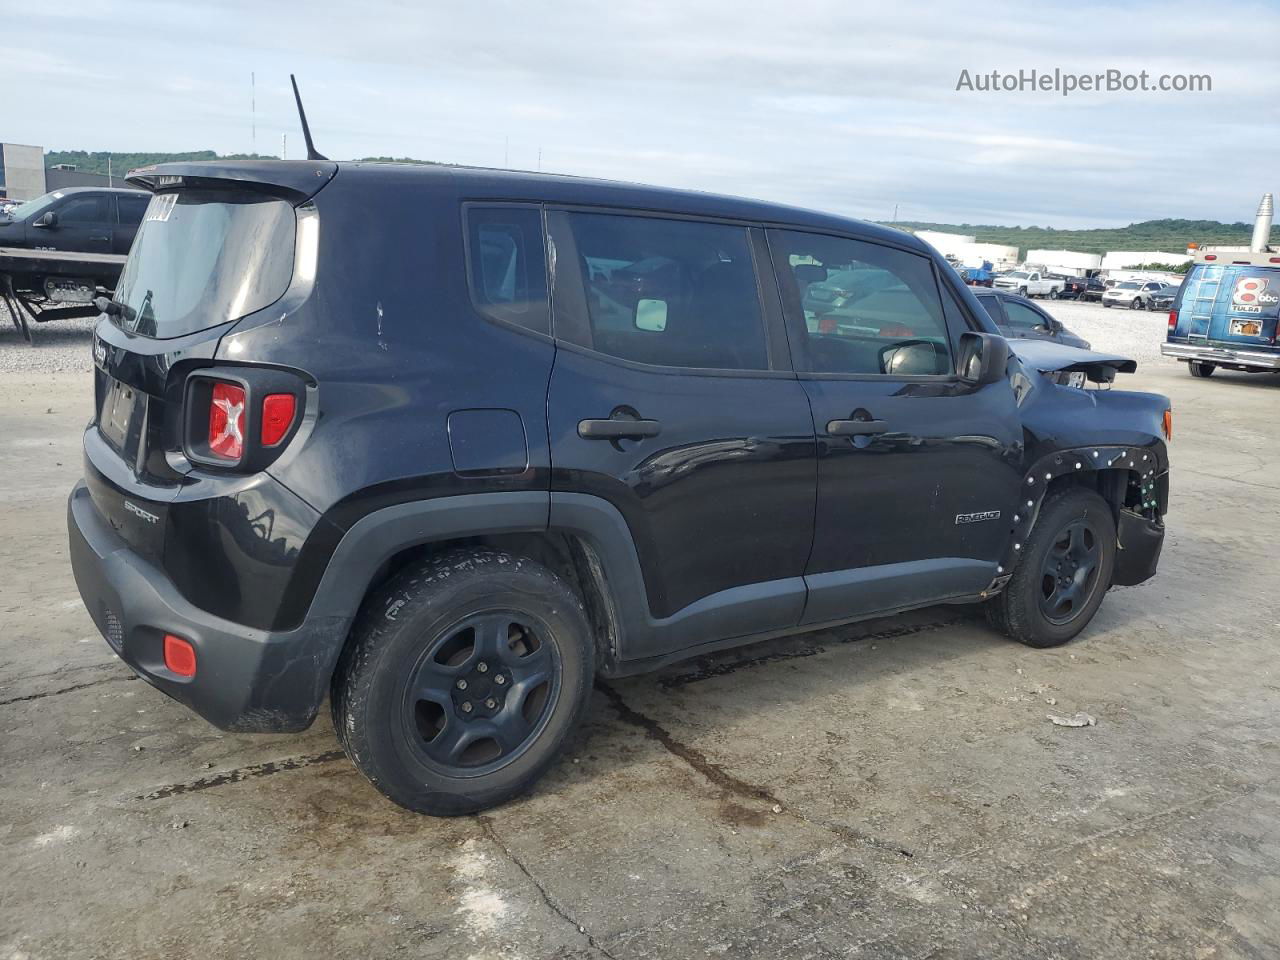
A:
[(447, 443)]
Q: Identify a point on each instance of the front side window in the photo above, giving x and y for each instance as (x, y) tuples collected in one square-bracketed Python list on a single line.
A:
[(90, 208), (509, 265), (1022, 316), (868, 309), (674, 293)]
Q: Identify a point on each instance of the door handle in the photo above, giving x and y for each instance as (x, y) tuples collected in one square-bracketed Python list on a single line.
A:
[(856, 428), (618, 429)]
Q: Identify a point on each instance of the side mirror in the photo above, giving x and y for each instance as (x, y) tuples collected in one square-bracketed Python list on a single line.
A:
[(983, 358), (46, 220)]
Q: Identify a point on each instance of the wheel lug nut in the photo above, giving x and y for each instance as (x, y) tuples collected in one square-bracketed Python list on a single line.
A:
[(466, 706), (491, 703), (462, 684), (499, 679), (482, 667)]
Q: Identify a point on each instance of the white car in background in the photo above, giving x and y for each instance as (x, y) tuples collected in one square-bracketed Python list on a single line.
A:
[(1134, 294), (1029, 283)]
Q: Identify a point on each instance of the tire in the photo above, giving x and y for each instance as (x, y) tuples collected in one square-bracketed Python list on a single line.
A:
[(1022, 292), (1107, 304), (1135, 304), (475, 627), (1055, 590), (1055, 294), (1199, 368)]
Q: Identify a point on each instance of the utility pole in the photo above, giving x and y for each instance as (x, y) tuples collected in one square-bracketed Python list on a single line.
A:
[(110, 181), (284, 146), (539, 159), (895, 213)]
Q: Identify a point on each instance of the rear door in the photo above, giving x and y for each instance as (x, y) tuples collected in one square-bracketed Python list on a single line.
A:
[(130, 208), (673, 401), (917, 472), (1248, 301)]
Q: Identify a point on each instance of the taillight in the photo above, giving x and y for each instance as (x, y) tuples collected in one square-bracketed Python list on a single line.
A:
[(1173, 320), (227, 421), (277, 417)]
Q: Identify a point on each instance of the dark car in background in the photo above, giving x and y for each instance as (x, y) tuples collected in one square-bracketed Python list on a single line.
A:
[(1162, 300), (77, 220), (1019, 318), (1093, 290), (1072, 286)]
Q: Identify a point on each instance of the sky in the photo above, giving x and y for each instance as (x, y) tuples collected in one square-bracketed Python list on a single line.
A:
[(843, 106)]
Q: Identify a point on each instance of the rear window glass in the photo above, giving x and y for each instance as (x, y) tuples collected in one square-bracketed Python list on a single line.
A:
[(204, 257), (509, 265)]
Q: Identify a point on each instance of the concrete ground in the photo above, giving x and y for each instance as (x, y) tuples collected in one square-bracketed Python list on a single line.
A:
[(891, 790)]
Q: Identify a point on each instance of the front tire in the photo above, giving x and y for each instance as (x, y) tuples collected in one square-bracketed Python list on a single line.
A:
[(1063, 574), (463, 678), (1199, 368), (1136, 304)]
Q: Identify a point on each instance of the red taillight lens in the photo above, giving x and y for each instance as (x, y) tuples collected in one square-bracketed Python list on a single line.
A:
[(277, 417), (1173, 320), (226, 421), (179, 655), (1210, 256)]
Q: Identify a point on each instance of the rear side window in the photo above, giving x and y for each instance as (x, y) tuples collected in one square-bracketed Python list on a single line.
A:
[(508, 265), (867, 308), (203, 257), (673, 293), (132, 208)]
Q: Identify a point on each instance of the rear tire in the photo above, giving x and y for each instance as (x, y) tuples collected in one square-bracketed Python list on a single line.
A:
[(1136, 304), (1063, 574), (1022, 292), (1107, 304), (1199, 368), (462, 679), (1055, 294)]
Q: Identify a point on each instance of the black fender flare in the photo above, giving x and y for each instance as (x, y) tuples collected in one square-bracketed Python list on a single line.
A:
[(1144, 461)]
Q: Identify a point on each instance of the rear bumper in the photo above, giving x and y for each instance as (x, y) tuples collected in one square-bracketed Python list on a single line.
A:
[(1225, 356), (246, 679)]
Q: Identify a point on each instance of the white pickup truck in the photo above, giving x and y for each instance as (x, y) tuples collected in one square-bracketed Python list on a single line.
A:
[(1029, 283)]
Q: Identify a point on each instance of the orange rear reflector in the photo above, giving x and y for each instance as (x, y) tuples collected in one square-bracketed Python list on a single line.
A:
[(1168, 424)]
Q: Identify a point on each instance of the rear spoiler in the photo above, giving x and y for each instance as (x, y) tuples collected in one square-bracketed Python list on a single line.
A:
[(292, 180)]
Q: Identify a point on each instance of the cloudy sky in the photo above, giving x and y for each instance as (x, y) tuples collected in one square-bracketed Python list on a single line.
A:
[(845, 106)]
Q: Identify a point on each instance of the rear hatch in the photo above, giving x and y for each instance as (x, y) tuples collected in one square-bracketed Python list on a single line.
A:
[(1229, 304), (209, 252)]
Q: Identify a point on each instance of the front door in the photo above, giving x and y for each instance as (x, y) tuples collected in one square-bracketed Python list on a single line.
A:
[(84, 224), (918, 472), (671, 401)]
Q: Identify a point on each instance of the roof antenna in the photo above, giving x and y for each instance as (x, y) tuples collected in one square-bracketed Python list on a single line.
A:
[(306, 130)]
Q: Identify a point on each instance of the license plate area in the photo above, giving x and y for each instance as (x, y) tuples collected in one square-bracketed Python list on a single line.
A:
[(120, 416), (1246, 328)]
